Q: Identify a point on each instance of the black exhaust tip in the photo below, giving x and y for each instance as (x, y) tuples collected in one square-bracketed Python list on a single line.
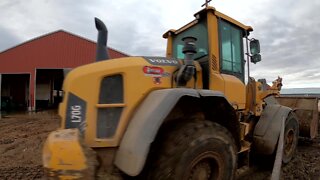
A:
[(102, 50)]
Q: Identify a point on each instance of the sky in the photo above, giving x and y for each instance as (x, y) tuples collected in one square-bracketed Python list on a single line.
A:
[(288, 30)]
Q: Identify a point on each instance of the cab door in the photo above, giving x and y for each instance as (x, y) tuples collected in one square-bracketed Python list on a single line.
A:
[(232, 62)]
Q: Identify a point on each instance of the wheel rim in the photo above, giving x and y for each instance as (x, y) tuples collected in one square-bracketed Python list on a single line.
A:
[(289, 142), (205, 166)]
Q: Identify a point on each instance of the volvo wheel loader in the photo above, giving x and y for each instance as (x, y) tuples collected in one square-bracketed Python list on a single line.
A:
[(188, 115)]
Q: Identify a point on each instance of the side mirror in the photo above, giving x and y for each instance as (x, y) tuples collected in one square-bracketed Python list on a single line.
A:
[(255, 58), (255, 47)]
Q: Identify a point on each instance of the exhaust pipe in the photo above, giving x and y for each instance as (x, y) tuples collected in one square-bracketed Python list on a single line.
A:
[(102, 50)]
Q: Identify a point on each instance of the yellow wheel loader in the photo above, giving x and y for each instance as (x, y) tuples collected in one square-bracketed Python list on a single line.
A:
[(188, 115)]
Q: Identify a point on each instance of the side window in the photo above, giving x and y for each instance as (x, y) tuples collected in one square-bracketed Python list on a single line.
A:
[(231, 49)]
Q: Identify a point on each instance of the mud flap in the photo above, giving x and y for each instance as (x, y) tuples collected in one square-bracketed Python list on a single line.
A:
[(66, 157), (276, 171), (267, 130)]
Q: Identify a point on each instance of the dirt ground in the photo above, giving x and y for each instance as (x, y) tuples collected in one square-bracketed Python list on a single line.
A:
[(21, 140), (22, 137), (304, 166)]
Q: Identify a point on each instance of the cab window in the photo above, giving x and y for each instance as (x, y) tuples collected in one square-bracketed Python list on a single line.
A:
[(231, 49)]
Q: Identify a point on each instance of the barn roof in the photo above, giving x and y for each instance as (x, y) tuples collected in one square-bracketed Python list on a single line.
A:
[(58, 49), (62, 31)]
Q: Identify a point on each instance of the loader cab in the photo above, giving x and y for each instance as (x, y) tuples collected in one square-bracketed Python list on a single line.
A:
[(220, 52)]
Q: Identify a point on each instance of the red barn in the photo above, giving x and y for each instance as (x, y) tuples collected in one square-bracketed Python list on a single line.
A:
[(31, 73)]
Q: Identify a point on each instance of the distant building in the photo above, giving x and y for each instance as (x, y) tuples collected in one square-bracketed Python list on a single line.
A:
[(311, 92), (31, 73)]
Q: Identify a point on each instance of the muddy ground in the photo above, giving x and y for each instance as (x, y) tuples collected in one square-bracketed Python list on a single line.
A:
[(22, 137), (21, 140)]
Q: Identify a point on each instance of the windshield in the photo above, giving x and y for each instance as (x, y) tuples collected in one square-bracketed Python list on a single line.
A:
[(198, 31)]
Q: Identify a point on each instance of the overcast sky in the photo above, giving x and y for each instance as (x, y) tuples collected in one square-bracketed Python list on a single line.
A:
[(288, 30)]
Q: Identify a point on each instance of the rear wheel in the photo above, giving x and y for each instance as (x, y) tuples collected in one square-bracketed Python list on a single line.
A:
[(194, 150), (291, 135)]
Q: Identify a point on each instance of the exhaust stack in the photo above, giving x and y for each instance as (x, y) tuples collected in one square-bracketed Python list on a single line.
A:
[(102, 50)]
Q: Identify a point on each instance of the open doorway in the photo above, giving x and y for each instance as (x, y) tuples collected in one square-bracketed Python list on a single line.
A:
[(48, 88), (15, 92)]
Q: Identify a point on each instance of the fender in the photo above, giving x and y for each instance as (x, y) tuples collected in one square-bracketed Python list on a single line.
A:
[(143, 127), (267, 130)]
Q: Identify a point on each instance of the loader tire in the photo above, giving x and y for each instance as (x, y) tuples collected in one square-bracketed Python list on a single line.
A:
[(291, 135), (194, 150)]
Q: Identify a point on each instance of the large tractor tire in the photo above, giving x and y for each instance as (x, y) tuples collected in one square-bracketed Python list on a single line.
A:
[(196, 149), (291, 135)]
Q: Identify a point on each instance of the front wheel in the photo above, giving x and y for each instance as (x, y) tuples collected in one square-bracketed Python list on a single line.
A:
[(194, 150)]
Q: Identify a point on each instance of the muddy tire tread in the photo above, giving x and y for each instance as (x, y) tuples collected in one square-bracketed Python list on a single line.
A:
[(175, 140)]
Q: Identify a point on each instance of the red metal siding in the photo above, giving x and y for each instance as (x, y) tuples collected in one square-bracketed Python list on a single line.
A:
[(59, 49)]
